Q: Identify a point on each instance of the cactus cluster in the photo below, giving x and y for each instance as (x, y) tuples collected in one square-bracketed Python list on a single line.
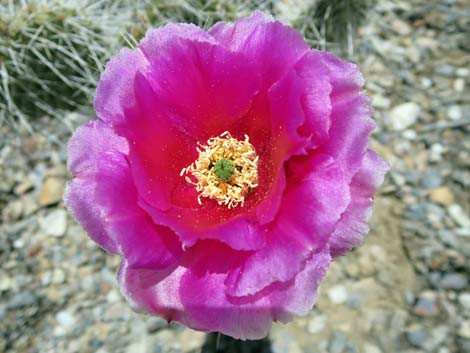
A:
[(332, 24), (52, 51), (51, 54), (204, 13)]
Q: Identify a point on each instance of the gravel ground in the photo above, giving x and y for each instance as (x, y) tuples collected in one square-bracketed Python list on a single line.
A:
[(405, 290)]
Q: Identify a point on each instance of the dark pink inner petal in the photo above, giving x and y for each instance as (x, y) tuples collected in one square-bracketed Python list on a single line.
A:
[(207, 85)]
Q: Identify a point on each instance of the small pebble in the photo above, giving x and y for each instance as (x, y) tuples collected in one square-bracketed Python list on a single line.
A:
[(416, 335), (404, 115), (338, 294), (459, 216), (455, 281)]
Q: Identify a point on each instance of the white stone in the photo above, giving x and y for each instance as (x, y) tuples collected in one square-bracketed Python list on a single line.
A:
[(464, 330), (404, 115), (191, 340), (409, 134), (370, 348), (317, 324), (426, 82), (55, 223), (459, 216), (462, 72), (454, 112), (6, 283), (338, 294), (65, 319), (459, 85), (435, 152), (464, 300)]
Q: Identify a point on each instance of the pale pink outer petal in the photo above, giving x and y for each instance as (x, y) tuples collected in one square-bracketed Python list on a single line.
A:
[(353, 225), (302, 98), (308, 214), (249, 318), (349, 133), (197, 299), (103, 199), (351, 122), (92, 147), (344, 76), (271, 45), (153, 292), (115, 91)]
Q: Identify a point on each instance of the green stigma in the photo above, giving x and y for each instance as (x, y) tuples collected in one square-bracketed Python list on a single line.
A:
[(224, 169)]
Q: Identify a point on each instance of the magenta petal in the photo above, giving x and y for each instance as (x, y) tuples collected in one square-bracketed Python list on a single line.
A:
[(115, 92), (271, 45), (208, 85), (308, 215), (204, 300), (152, 291), (248, 318), (278, 261), (345, 77), (78, 201), (302, 98), (182, 293), (353, 225), (239, 233), (158, 148), (103, 199), (301, 295), (351, 126), (88, 162)]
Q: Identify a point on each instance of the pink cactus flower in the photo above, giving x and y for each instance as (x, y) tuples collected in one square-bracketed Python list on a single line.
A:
[(227, 168)]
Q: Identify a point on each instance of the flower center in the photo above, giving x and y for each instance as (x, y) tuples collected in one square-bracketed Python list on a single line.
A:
[(226, 170)]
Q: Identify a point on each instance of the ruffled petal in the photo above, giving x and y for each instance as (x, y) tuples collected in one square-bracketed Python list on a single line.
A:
[(351, 125), (351, 122), (300, 297), (301, 99), (249, 317), (271, 45), (311, 206), (152, 291), (115, 91), (103, 199), (353, 225), (345, 77), (88, 162), (208, 85)]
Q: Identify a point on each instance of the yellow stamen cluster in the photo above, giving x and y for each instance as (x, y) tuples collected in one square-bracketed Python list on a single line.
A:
[(244, 178)]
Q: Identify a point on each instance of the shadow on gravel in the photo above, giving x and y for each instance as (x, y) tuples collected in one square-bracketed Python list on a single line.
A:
[(224, 344)]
